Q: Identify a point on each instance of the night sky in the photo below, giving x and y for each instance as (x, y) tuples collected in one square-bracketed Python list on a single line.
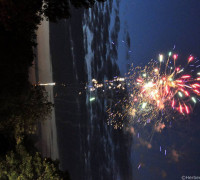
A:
[(155, 26), (158, 26)]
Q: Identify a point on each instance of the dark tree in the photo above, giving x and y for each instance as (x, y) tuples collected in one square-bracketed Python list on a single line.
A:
[(59, 9), (20, 164), (84, 3), (56, 9), (22, 114)]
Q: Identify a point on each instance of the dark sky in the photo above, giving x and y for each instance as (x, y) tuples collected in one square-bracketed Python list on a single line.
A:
[(155, 26)]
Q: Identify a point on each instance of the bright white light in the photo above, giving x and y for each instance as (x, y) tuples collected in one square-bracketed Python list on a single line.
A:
[(180, 94), (160, 57), (92, 99), (144, 105), (47, 84), (149, 85), (193, 99)]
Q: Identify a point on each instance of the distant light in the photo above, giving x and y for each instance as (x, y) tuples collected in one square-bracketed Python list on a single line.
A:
[(170, 53), (144, 75), (92, 99), (187, 109), (170, 79), (121, 79), (156, 69), (181, 109), (144, 105), (160, 57), (175, 56), (196, 91), (177, 69), (186, 93), (180, 94), (139, 80), (47, 84), (173, 103), (149, 85), (92, 89), (181, 70), (185, 76), (193, 99), (94, 81), (190, 59)]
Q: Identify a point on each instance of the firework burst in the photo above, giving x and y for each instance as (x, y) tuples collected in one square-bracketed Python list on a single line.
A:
[(158, 92)]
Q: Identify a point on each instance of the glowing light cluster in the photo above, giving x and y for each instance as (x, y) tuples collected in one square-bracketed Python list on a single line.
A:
[(159, 90), (165, 84)]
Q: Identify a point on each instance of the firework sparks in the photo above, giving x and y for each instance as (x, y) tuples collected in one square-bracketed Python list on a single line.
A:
[(158, 91), (164, 84)]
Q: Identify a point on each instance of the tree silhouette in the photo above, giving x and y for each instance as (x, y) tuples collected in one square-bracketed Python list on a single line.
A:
[(59, 9)]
